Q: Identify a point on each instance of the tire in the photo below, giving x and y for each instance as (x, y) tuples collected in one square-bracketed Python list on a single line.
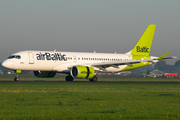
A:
[(94, 79), (16, 79), (69, 78)]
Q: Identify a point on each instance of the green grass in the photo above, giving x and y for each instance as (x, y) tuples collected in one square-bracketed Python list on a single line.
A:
[(89, 101)]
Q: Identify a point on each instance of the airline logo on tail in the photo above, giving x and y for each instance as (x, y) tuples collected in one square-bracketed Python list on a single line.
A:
[(143, 46), (144, 49)]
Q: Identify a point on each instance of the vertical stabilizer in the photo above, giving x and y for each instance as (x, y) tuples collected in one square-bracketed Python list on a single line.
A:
[(143, 46)]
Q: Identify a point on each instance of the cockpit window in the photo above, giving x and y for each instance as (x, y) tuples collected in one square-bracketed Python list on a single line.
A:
[(10, 57), (18, 57), (14, 56)]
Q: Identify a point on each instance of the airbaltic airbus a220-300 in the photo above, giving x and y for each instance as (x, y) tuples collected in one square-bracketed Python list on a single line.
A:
[(82, 64)]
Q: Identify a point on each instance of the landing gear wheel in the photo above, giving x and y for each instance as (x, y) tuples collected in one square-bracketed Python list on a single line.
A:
[(94, 79), (16, 79), (69, 78)]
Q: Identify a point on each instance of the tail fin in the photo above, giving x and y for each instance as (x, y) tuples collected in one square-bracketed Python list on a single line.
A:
[(143, 46)]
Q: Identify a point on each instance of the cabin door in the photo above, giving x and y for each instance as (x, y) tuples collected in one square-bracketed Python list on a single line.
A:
[(31, 58)]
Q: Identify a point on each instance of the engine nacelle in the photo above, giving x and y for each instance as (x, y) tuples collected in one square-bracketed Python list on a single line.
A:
[(82, 72), (46, 74)]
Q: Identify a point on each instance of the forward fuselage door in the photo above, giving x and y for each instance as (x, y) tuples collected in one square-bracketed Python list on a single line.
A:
[(31, 58)]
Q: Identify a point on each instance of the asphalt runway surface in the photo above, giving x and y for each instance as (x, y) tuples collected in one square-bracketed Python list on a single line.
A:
[(87, 82)]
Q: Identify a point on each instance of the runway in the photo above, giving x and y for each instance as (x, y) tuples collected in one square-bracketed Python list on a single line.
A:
[(87, 82)]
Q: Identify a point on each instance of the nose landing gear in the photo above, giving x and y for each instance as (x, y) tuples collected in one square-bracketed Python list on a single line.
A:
[(17, 75), (16, 79)]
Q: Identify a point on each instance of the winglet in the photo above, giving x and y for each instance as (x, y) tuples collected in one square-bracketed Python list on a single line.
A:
[(162, 56)]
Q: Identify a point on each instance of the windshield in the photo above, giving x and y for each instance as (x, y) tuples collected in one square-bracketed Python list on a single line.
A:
[(14, 56)]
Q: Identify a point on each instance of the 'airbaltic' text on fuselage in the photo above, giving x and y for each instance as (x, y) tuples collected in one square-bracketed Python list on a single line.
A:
[(49, 56), (142, 49)]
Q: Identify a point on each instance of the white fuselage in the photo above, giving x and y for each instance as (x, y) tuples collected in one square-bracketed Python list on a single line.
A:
[(61, 61)]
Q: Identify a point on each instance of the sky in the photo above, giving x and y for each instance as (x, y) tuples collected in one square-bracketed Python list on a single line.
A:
[(88, 25)]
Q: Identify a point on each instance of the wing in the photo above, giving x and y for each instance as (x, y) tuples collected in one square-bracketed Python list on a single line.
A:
[(117, 63)]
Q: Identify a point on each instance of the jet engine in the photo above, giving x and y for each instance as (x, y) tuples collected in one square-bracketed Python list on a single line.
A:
[(82, 72), (45, 74)]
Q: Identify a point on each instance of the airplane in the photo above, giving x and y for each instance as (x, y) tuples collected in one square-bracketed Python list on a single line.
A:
[(83, 64)]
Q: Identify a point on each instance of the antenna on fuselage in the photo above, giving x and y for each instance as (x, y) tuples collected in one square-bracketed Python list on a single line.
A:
[(55, 50), (94, 51)]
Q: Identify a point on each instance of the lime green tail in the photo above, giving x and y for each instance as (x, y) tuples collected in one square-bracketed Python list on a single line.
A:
[(143, 46)]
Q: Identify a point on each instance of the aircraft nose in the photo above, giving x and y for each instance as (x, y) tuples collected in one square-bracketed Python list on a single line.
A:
[(7, 64)]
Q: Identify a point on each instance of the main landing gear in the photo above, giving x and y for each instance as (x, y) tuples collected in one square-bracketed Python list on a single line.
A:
[(94, 79), (70, 78)]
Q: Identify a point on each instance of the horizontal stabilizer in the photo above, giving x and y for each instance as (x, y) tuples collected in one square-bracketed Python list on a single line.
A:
[(170, 57), (162, 56)]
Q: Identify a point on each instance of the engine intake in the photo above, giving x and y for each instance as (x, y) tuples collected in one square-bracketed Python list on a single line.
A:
[(45, 74), (82, 72)]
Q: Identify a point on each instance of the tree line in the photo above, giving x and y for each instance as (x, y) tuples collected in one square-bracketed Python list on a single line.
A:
[(162, 66)]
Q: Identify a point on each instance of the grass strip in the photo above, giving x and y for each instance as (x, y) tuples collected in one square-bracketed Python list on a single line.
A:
[(89, 101)]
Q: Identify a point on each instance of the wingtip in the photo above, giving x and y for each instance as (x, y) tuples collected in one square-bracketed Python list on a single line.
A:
[(173, 57)]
